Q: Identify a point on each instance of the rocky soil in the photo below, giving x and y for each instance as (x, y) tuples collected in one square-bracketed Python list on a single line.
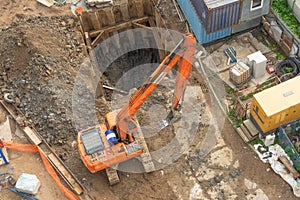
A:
[(40, 58)]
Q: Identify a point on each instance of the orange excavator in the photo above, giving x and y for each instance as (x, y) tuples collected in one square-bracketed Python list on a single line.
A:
[(113, 142)]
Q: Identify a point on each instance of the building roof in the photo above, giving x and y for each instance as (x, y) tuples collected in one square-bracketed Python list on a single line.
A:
[(279, 97), (218, 3)]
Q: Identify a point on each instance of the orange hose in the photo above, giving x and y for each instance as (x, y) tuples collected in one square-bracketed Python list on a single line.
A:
[(33, 148)]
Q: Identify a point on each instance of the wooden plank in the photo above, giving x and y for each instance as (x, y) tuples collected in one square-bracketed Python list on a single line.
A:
[(246, 132), (34, 138), (70, 180), (85, 21), (119, 26), (124, 11), (47, 3), (95, 20), (251, 128), (139, 8), (9, 109), (137, 25), (242, 135), (289, 166), (88, 40), (152, 22), (110, 16), (44, 148), (97, 39)]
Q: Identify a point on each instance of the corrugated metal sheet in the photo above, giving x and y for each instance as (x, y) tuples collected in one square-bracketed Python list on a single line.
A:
[(217, 14), (198, 29)]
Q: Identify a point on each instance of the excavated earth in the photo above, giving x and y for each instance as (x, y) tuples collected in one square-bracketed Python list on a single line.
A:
[(41, 53)]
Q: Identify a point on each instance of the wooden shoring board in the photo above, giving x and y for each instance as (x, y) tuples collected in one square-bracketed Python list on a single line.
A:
[(67, 176), (138, 25), (85, 22), (97, 39), (119, 26), (95, 20), (36, 138), (138, 4)]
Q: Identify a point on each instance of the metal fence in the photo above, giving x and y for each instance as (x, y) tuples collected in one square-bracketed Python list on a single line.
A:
[(285, 142)]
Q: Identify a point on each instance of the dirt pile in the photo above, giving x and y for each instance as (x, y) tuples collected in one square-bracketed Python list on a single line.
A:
[(39, 60)]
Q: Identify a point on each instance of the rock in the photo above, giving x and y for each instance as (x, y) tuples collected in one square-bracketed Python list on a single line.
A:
[(234, 173)]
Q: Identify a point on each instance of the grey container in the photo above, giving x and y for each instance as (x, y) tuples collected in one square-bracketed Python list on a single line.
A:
[(244, 25), (216, 15), (251, 11), (197, 27)]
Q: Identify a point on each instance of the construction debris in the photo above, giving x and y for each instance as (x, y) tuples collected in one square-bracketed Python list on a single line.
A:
[(28, 183), (115, 89), (47, 3), (99, 3), (281, 164)]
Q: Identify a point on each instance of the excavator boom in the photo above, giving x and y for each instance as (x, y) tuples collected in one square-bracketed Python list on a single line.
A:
[(183, 54), (113, 142)]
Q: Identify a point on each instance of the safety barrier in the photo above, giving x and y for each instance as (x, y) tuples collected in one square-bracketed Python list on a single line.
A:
[(284, 141)]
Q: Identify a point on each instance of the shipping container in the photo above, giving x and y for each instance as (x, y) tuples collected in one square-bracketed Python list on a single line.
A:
[(216, 15), (254, 8), (276, 106), (244, 25), (197, 27)]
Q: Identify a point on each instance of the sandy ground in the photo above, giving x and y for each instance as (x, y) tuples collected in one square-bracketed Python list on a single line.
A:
[(230, 171), (25, 162)]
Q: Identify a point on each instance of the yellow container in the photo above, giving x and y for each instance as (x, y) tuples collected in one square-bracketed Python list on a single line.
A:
[(276, 106)]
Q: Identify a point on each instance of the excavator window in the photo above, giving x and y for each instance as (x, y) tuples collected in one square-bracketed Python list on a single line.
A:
[(92, 141)]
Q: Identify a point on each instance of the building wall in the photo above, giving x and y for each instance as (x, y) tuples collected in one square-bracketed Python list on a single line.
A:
[(244, 25), (258, 115), (217, 17), (248, 14), (198, 29), (295, 5)]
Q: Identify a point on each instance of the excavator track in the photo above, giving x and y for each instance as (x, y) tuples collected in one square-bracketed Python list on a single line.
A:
[(112, 175), (146, 156)]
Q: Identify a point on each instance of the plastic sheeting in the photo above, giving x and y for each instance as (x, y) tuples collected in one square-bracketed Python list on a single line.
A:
[(28, 183), (274, 152)]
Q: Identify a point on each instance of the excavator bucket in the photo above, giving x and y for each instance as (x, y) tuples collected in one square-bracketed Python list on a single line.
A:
[(172, 117)]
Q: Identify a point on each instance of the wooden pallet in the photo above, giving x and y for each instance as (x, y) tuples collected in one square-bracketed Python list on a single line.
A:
[(247, 131)]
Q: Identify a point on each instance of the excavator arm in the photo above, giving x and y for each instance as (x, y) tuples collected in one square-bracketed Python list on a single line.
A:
[(183, 54)]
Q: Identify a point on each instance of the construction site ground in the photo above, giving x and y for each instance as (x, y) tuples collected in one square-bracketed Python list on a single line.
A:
[(40, 55)]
